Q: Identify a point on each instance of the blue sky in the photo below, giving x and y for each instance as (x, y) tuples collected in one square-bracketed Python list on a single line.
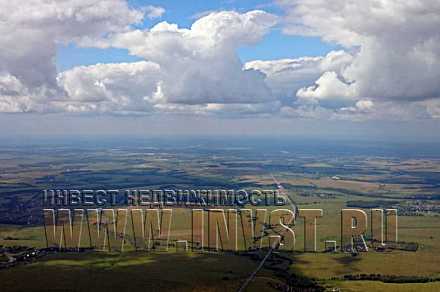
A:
[(275, 45)]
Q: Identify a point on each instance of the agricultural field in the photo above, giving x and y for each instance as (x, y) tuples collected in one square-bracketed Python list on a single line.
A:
[(328, 179)]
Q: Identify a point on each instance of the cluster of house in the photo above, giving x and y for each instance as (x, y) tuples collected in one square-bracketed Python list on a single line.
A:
[(14, 255)]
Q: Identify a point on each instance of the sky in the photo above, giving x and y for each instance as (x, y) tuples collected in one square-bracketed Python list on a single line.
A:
[(315, 68), (275, 45)]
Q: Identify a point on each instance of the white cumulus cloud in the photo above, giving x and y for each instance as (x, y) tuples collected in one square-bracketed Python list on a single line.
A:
[(200, 65), (30, 32), (395, 44), (293, 78), (109, 87)]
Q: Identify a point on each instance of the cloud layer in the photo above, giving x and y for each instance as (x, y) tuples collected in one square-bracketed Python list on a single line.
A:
[(395, 46), (196, 68), (29, 34), (388, 65)]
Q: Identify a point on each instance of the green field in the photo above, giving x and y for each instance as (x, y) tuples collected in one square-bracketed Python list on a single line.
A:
[(133, 271), (313, 181)]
